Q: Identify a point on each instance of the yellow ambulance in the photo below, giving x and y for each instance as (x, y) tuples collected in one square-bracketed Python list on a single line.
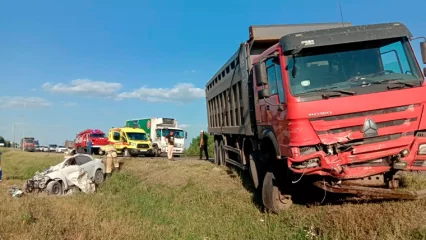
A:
[(130, 141)]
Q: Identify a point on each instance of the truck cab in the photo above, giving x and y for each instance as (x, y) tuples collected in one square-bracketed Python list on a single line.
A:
[(28, 144), (130, 141)]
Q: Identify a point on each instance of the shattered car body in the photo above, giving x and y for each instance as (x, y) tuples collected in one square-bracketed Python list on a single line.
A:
[(80, 170)]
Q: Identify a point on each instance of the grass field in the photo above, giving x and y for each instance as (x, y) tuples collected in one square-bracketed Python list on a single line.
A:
[(185, 199)]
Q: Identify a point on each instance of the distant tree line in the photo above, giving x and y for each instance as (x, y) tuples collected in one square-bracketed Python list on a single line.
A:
[(5, 142)]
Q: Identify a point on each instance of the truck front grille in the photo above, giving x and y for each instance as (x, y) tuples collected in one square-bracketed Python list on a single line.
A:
[(142, 145)]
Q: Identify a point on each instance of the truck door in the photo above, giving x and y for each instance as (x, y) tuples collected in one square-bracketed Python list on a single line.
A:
[(274, 108)]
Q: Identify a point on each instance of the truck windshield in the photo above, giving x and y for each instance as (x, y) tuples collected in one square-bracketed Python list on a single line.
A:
[(97, 135), (29, 141), (352, 66), (177, 133), (136, 136)]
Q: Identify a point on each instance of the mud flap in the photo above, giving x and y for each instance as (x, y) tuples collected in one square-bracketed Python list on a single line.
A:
[(372, 191)]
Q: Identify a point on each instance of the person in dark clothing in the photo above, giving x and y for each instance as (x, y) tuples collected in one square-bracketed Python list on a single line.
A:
[(170, 139), (89, 146), (203, 145)]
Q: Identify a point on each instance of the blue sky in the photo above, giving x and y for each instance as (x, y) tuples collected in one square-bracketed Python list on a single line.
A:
[(64, 63)]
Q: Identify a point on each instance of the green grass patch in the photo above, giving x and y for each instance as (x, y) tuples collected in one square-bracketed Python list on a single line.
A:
[(187, 199)]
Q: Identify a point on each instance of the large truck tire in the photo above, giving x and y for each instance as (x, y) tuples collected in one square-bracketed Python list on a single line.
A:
[(272, 198), (256, 169), (157, 152), (222, 154), (80, 150), (216, 153)]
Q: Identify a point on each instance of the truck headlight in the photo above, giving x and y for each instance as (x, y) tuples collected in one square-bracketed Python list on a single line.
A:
[(133, 144), (422, 149)]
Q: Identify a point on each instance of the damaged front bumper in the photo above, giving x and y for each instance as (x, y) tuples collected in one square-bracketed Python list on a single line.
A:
[(405, 153), (37, 183)]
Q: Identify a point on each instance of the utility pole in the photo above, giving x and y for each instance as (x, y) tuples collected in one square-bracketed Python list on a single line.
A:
[(13, 135), (23, 128)]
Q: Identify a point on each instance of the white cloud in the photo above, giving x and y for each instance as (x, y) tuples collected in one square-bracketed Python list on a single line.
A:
[(182, 92), (190, 71), (70, 104), (85, 87), (183, 125), (21, 102)]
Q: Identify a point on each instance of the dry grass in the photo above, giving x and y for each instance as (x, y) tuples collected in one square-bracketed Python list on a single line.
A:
[(189, 199)]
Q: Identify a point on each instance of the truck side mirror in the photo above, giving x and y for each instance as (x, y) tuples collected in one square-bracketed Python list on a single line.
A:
[(186, 134), (264, 93), (423, 51), (260, 73)]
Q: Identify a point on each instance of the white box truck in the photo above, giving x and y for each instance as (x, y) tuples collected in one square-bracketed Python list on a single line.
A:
[(157, 129)]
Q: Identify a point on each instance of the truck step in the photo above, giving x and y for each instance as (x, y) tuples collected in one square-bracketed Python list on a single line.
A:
[(235, 163), (232, 149)]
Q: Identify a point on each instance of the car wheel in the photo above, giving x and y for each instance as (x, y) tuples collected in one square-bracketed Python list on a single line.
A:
[(99, 177), (54, 188)]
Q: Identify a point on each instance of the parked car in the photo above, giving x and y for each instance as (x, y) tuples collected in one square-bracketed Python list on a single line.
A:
[(52, 147), (44, 149), (61, 149), (65, 176)]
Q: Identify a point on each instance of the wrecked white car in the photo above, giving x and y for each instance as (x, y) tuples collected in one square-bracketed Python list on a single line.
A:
[(78, 171)]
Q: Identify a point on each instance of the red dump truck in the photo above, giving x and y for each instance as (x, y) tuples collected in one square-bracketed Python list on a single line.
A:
[(28, 144), (339, 105)]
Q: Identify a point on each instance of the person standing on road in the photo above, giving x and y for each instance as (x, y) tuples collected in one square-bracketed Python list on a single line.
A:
[(89, 146), (203, 145), (170, 144), (112, 161)]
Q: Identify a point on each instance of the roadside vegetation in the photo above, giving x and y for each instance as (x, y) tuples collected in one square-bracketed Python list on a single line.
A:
[(187, 199), (194, 148)]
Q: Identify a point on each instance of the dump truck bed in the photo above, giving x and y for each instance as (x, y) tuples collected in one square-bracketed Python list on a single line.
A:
[(229, 93)]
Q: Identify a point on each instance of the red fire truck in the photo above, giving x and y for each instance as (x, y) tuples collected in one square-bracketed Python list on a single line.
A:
[(96, 136)]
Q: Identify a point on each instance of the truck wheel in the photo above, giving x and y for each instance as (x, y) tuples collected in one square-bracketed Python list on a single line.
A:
[(54, 188), (222, 154), (216, 153), (156, 152), (272, 198), (256, 170), (80, 150)]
